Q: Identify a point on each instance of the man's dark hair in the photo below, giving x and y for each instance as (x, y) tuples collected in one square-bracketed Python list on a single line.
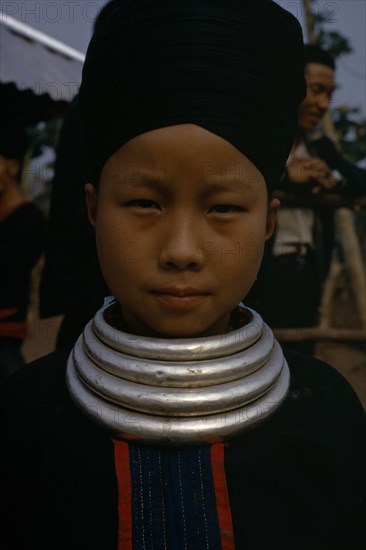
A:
[(316, 54)]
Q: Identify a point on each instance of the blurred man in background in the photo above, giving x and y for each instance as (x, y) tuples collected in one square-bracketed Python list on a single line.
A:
[(302, 247)]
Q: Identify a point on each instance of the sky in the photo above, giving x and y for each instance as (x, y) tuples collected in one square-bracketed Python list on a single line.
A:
[(71, 21)]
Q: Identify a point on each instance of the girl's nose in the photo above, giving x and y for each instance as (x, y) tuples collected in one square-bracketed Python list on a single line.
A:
[(181, 246)]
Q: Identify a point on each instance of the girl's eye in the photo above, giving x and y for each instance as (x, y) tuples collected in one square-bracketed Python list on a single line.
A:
[(225, 208), (144, 203)]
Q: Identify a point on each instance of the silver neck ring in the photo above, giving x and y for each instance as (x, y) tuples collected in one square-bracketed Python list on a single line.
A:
[(177, 391)]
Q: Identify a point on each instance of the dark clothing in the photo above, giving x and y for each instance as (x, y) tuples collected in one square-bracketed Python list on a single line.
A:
[(298, 271), (11, 358), (295, 277), (21, 244), (297, 481)]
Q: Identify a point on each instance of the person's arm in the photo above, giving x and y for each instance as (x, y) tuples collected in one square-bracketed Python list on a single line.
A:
[(353, 183), (307, 174)]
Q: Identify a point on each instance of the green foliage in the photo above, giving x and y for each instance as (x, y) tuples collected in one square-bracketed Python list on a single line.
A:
[(351, 131), (44, 134), (332, 41)]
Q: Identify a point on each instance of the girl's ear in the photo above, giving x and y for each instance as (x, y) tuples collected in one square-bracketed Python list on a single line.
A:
[(273, 207), (91, 202)]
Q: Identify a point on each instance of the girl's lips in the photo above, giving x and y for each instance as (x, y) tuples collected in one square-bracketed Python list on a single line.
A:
[(180, 299), (181, 292)]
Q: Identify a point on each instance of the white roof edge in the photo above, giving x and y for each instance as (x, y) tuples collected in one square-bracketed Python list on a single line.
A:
[(41, 37)]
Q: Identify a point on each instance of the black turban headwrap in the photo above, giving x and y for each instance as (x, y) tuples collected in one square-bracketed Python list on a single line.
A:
[(234, 67)]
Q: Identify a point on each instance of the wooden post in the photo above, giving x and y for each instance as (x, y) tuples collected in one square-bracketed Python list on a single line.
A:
[(328, 292), (353, 259), (309, 21)]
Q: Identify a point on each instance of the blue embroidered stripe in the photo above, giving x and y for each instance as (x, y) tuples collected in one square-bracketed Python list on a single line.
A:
[(173, 499)]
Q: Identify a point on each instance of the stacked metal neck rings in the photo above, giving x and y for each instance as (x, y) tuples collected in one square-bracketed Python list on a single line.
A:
[(177, 391)]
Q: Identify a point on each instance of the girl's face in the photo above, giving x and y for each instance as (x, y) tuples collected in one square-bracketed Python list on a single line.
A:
[(181, 218)]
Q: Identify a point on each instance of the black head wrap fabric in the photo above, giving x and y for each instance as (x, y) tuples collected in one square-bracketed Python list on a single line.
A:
[(234, 67)]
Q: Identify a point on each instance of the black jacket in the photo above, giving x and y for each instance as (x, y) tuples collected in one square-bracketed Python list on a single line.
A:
[(297, 481)]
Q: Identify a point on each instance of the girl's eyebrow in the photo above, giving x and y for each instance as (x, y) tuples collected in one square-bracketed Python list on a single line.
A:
[(149, 183), (232, 186), (142, 179)]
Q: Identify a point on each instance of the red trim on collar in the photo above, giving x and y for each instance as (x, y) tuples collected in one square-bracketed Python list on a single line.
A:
[(222, 497), (122, 465)]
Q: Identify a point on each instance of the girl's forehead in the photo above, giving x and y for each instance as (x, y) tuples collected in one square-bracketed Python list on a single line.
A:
[(187, 152), (168, 145)]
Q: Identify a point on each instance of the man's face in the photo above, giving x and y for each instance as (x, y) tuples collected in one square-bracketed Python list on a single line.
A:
[(320, 87), (181, 217)]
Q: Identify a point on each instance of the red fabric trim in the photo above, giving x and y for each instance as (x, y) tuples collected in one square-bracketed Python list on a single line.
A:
[(11, 329), (122, 465), (222, 497), (7, 312), (14, 329)]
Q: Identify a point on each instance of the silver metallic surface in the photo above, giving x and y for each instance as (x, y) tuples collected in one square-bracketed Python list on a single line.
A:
[(178, 373), (178, 349), (178, 401), (128, 424), (238, 384)]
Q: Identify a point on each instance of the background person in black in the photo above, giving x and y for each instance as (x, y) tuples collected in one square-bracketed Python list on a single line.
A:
[(21, 245), (288, 293)]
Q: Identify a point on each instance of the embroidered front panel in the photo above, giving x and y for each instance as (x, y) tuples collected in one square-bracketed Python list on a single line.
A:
[(173, 498)]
